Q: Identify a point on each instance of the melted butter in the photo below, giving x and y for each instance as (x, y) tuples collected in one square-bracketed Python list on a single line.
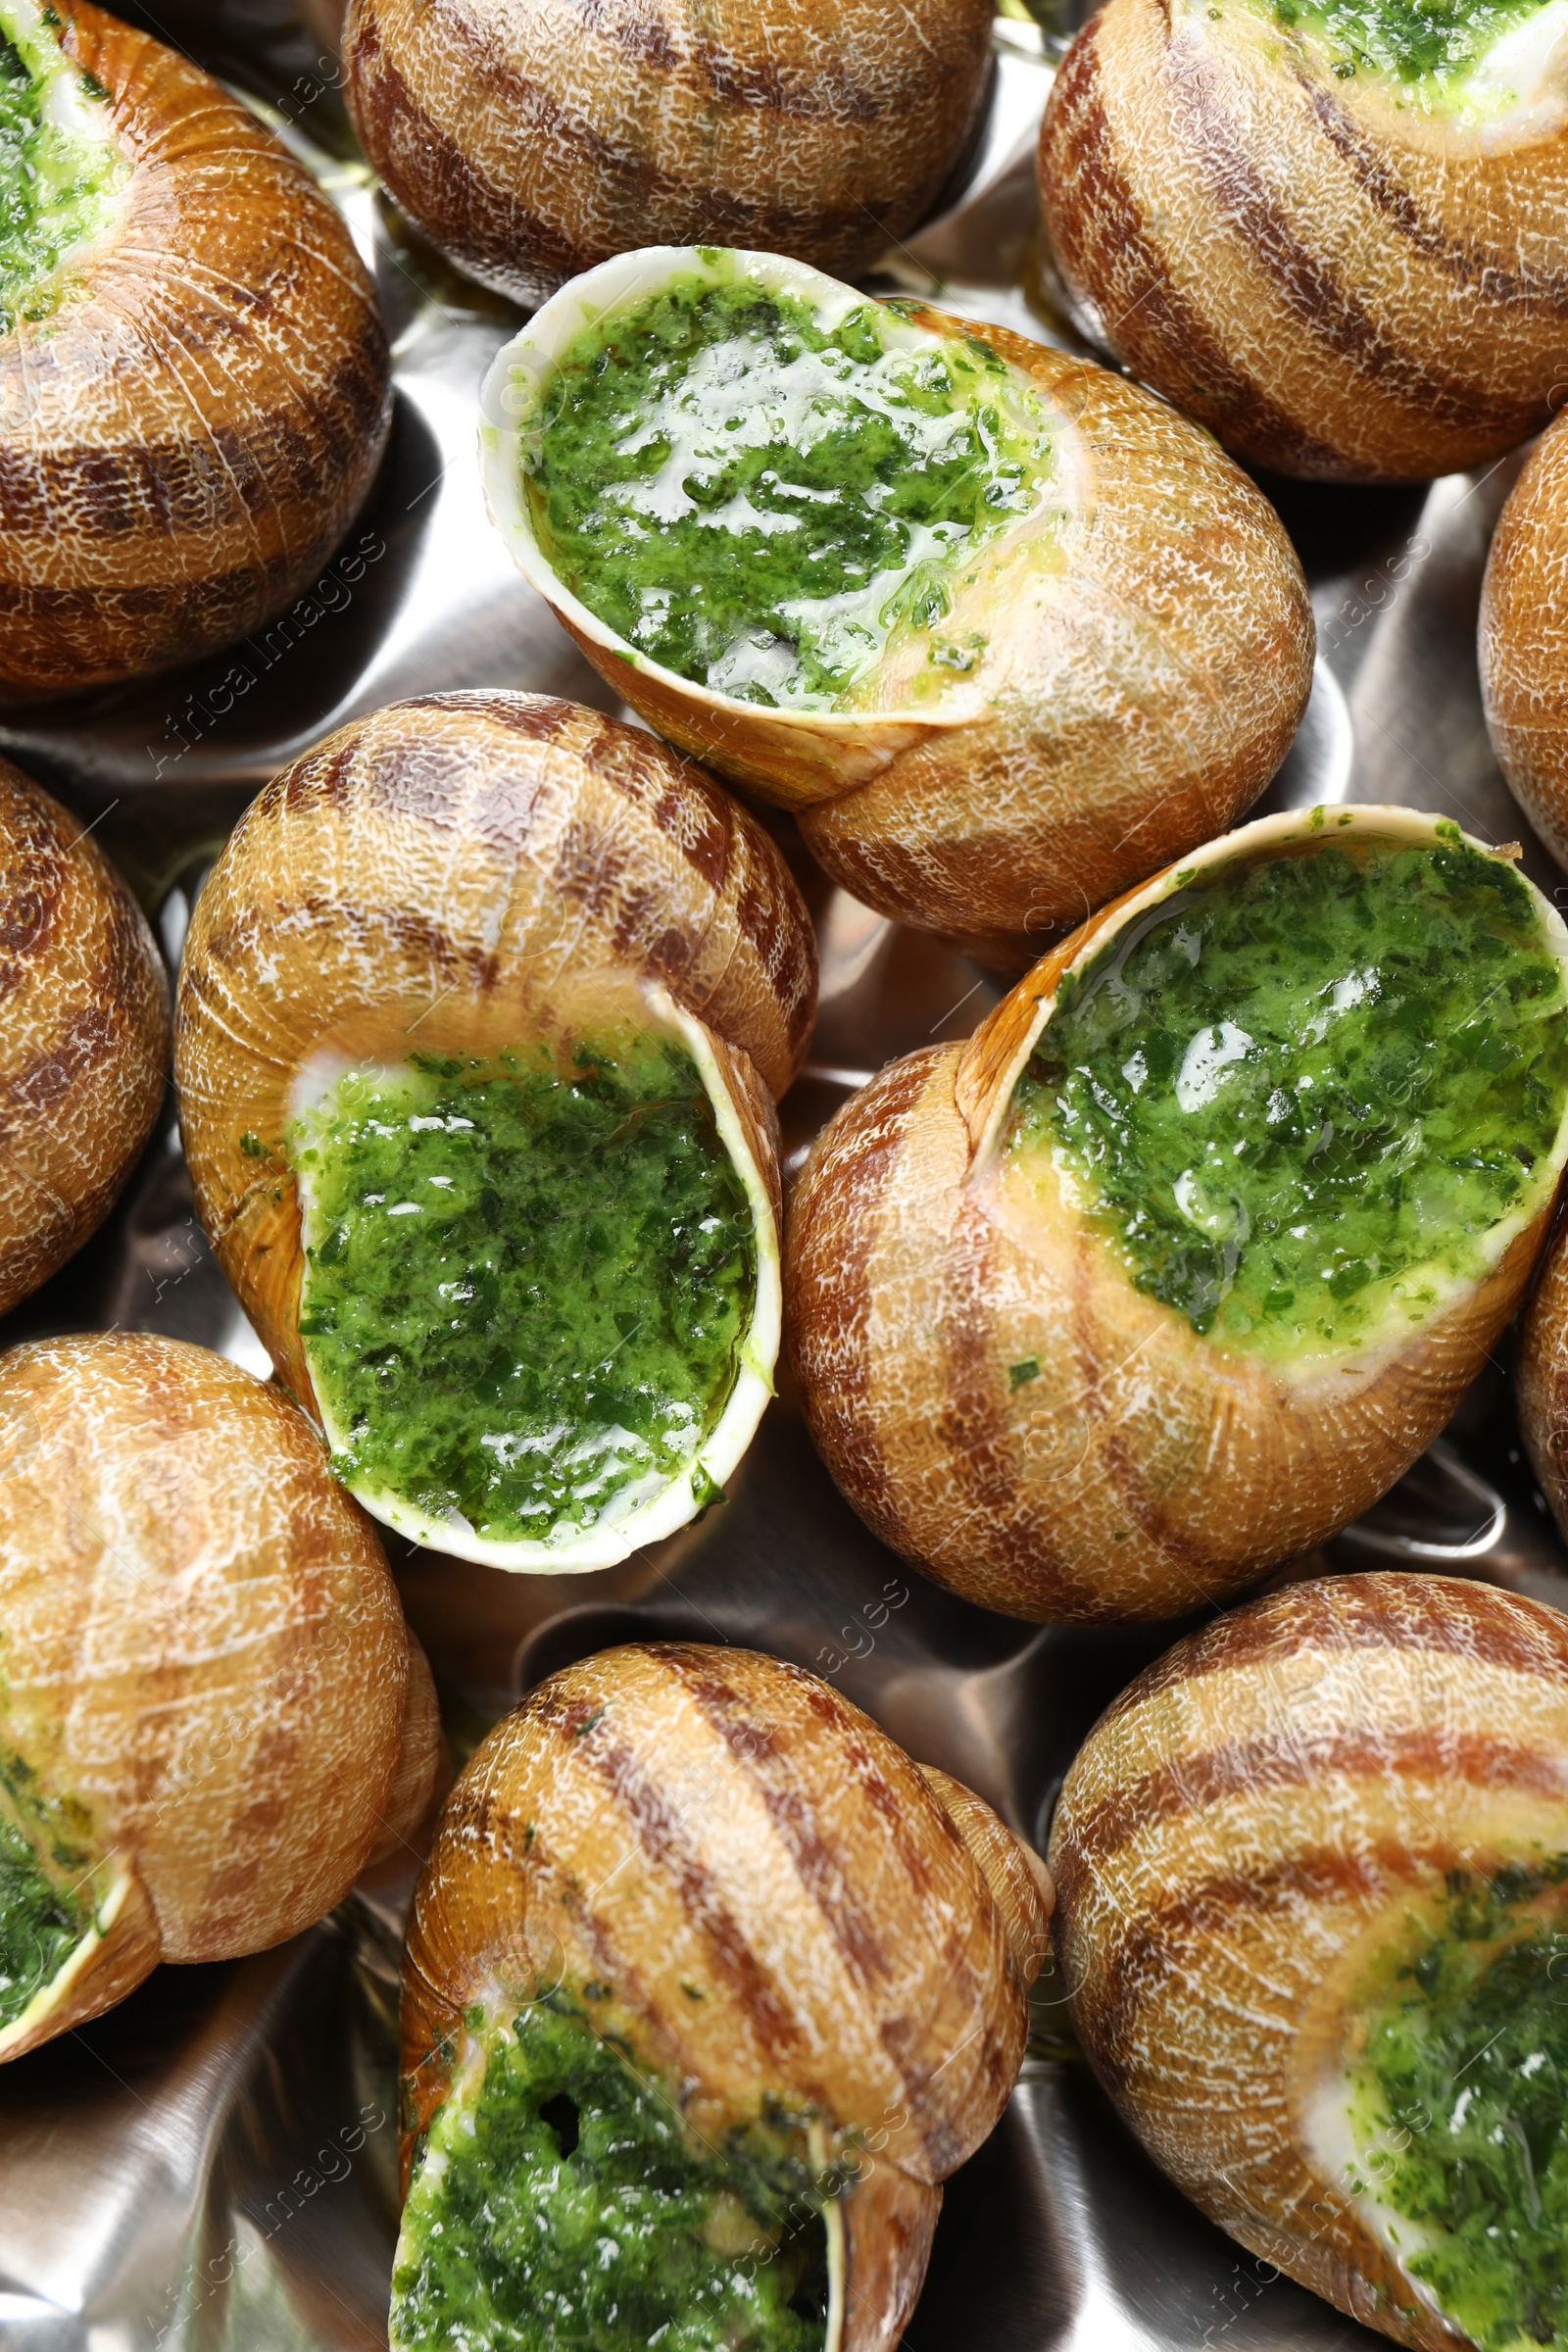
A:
[(767, 500), (559, 2200), (61, 166), (1299, 1096)]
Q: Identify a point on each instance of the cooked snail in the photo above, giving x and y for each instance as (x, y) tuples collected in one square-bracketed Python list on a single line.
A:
[(1329, 229), (1524, 641), (84, 1037), (212, 1714), (481, 1017), (1312, 1872), (705, 1975), (193, 375), (1003, 631), (530, 141), (1182, 1259)]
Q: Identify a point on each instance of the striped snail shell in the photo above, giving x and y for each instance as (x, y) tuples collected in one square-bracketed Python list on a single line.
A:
[(1541, 1375), (1341, 280), (1524, 641), (794, 1938), (194, 404), (1297, 1862), (530, 141), (1148, 646), (458, 890), (999, 1384), (212, 1715), (84, 1042)]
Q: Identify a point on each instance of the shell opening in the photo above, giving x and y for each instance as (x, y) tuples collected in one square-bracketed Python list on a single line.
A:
[(1447, 2125), (1310, 1090), (49, 1920), (540, 1307), (1497, 66), (766, 485), (561, 2197), (63, 173)]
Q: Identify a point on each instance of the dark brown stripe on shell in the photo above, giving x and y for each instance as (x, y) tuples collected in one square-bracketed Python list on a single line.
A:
[(857, 1158), (668, 1851), (1252, 1768), (1172, 1939), (819, 94), (1483, 270), (1220, 151), (1155, 317)]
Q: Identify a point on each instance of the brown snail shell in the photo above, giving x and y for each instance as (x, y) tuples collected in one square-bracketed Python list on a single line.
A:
[(1541, 1375), (862, 1932), (455, 873), (208, 1678), (1524, 641), (1145, 1469), (1274, 1803), (530, 143), (1141, 686), (85, 1039), (1340, 286), (184, 439)]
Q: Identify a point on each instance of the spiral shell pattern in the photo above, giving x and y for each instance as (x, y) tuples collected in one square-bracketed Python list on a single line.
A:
[(185, 439), (84, 1039)]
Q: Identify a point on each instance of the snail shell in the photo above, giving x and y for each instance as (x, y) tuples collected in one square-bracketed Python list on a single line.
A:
[(457, 874), (210, 1698), (1142, 685), (530, 141), (1141, 1467), (1541, 1376), (1524, 641), (84, 1042), (1244, 1837), (668, 1822), (186, 436), (1338, 285)]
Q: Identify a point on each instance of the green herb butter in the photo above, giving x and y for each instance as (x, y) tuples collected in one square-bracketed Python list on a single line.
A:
[(46, 1902), (559, 2200), (1441, 54), (764, 501), (527, 1284), (61, 166), (1459, 2108), (1296, 1095)]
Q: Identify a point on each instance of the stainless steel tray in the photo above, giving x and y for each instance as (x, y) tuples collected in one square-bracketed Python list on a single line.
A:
[(211, 2168)]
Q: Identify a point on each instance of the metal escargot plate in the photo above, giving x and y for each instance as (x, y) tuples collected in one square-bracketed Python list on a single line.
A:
[(211, 2168)]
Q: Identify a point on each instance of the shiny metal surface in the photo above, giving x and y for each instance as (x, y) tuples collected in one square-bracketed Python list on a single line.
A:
[(212, 2167)]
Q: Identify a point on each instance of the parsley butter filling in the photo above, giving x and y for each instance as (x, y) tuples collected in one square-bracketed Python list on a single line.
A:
[(62, 167), (529, 1282), (795, 503), (560, 2199), (1477, 61), (46, 1894), (1451, 2127), (1307, 1097)]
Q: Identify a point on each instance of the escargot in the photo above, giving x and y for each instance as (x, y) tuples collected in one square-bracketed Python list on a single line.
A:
[(193, 373), (481, 1017), (1001, 630), (1312, 1871), (85, 1039), (212, 1714), (1329, 229), (1179, 1262), (530, 143), (1541, 1376), (1524, 641), (705, 1974)]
